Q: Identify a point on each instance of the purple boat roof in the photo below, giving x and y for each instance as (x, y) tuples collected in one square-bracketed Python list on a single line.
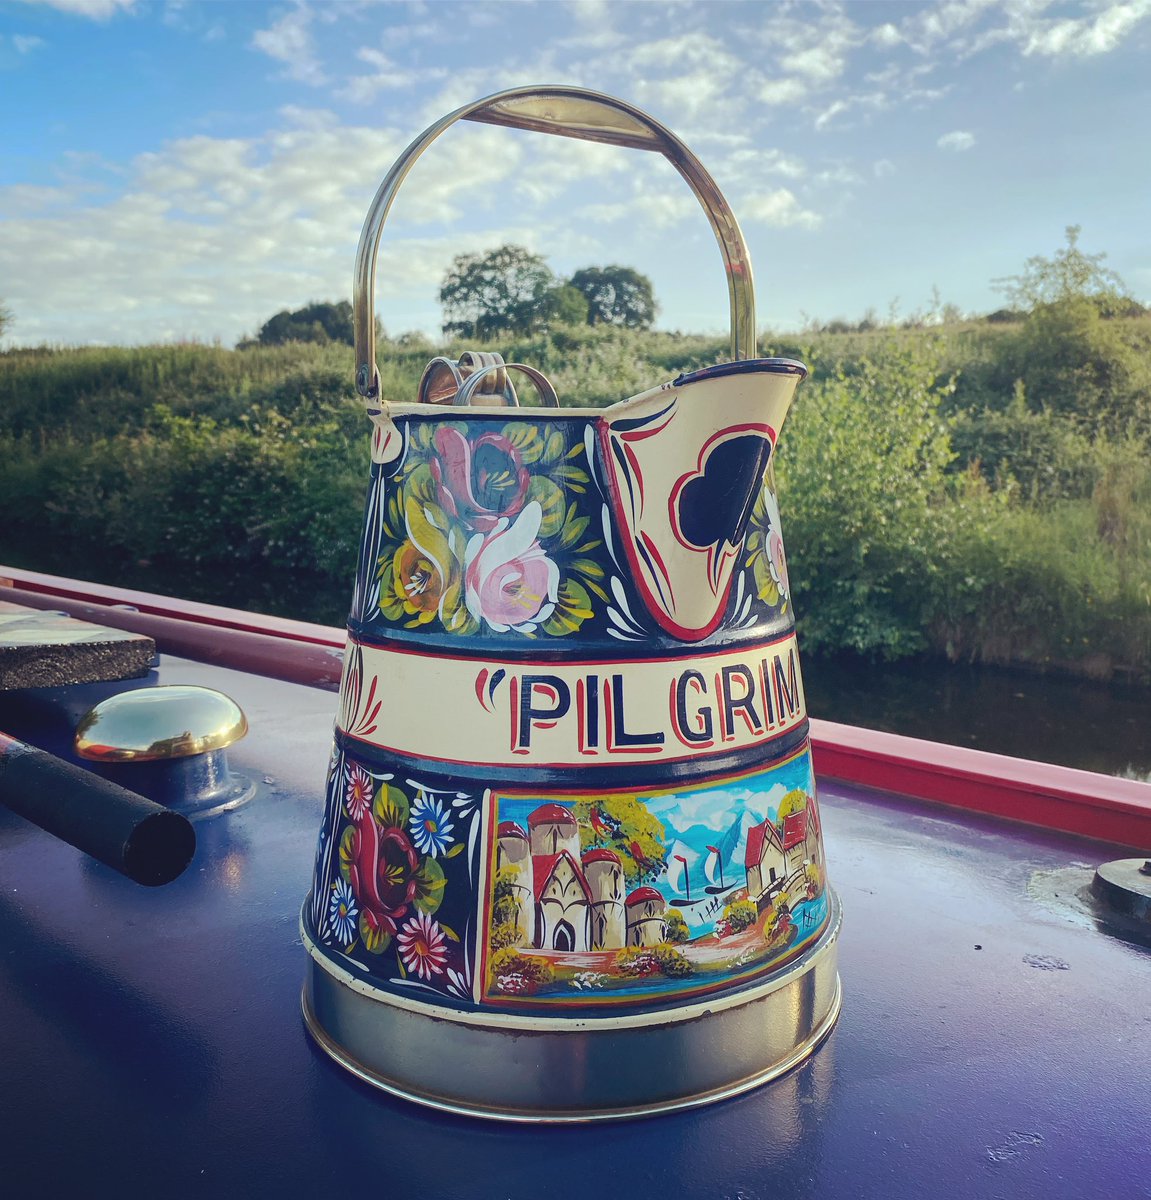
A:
[(991, 1042)]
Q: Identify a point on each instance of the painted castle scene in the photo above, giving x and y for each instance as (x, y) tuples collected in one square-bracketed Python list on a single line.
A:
[(615, 896)]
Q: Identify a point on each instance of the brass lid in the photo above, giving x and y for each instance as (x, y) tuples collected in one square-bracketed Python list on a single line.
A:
[(156, 723)]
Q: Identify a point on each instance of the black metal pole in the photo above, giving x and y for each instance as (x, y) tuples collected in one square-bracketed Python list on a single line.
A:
[(145, 841)]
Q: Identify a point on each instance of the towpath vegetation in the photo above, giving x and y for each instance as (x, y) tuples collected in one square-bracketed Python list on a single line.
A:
[(978, 490)]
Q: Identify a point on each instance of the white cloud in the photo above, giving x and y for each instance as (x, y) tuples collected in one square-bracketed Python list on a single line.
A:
[(778, 207), (783, 91), (882, 168), (1085, 37), (386, 76), (958, 140), (886, 35), (661, 210), (821, 64), (967, 27), (777, 163), (593, 19), (839, 176), (835, 109), (25, 44), (940, 23), (289, 41), (691, 95), (97, 10), (211, 235)]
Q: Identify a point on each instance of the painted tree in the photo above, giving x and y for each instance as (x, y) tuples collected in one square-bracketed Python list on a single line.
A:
[(675, 927), (795, 801), (623, 824), (505, 927)]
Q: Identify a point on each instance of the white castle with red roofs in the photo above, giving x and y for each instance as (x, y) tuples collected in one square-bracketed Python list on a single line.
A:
[(570, 901)]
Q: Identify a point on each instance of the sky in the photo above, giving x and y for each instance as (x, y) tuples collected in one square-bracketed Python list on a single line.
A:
[(175, 170)]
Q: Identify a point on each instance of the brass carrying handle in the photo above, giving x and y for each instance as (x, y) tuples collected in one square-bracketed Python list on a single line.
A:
[(569, 112)]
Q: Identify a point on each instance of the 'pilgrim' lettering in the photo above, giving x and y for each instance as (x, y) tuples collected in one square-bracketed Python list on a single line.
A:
[(701, 718), (786, 686), (618, 736), (551, 688), (744, 704)]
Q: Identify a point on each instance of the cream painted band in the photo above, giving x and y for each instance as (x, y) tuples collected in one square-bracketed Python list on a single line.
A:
[(531, 1068), (493, 712)]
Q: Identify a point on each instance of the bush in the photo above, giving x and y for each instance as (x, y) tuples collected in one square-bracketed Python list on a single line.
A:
[(981, 492), (644, 961), (863, 479), (520, 974), (740, 914)]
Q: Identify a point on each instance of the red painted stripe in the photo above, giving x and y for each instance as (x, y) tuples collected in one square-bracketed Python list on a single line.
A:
[(1062, 798), (167, 606)]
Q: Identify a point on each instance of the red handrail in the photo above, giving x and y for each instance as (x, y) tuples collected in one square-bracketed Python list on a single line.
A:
[(1054, 797)]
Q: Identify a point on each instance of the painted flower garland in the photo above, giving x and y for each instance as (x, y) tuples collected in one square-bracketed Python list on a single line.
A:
[(478, 532), (391, 883), (763, 551)]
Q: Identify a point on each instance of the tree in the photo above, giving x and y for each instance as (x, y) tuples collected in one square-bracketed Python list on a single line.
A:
[(616, 296), (795, 801), (506, 290), (318, 322), (623, 824), (675, 928), (567, 305), (1067, 276), (5, 316)]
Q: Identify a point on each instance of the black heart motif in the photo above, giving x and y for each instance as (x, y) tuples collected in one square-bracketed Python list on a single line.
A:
[(713, 507)]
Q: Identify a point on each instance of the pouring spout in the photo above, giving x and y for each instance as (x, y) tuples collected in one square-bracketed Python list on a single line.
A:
[(685, 464)]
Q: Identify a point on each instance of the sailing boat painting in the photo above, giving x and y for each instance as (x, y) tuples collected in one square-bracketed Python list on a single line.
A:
[(711, 865), (681, 859), (606, 897)]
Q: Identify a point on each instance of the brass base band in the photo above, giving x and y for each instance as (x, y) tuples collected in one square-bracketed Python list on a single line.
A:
[(531, 1068)]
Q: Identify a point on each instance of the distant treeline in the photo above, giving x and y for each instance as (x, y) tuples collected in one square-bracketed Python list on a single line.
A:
[(975, 490)]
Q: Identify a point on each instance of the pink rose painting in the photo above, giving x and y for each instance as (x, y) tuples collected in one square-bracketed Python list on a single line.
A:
[(480, 481), (510, 583), (490, 529)]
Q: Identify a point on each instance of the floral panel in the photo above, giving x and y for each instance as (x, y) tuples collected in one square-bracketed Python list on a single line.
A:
[(489, 529), (395, 878)]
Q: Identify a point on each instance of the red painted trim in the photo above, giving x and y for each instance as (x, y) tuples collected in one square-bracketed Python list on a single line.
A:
[(169, 606), (688, 657), (1060, 798), (651, 601), (1054, 797)]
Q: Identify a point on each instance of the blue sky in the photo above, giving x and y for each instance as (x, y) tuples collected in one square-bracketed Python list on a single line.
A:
[(184, 169)]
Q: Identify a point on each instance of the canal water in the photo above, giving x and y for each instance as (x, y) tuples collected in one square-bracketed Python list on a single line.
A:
[(1075, 723)]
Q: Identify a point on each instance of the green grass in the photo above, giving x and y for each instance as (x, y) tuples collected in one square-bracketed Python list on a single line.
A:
[(971, 491)]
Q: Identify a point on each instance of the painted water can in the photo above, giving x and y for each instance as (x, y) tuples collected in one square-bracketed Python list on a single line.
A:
[(571, 864)]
